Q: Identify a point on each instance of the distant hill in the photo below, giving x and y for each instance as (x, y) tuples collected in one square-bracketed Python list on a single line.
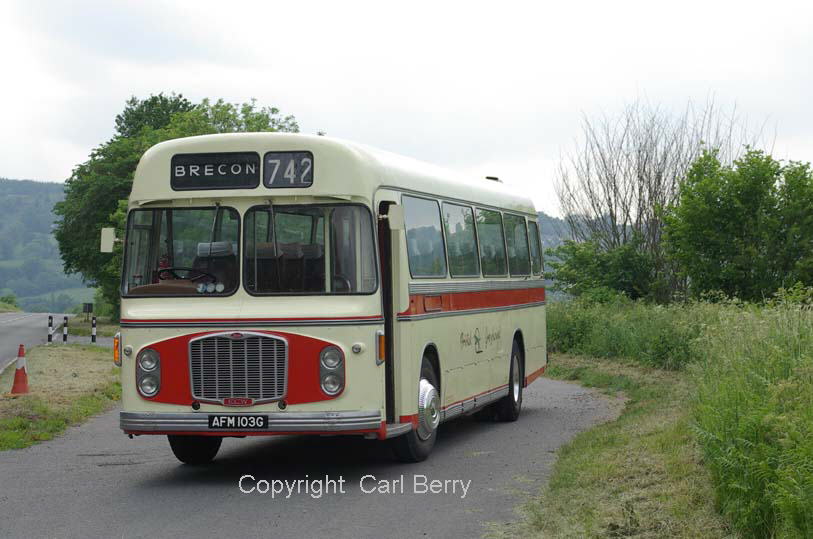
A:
[(554, 231), (30, 265)]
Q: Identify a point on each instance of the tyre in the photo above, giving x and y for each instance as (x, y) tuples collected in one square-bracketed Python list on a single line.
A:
[(416, 445), (195, 450), (509, 407)]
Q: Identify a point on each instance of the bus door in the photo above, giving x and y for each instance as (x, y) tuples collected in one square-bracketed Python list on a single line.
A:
[(395, 299)]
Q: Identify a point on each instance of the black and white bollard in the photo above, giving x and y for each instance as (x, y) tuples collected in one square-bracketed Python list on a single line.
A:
[(65, 330), (93, 330), (50, 329)]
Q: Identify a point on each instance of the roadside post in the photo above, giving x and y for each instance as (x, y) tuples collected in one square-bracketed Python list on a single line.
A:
[(93, 330), (50, 329), (65, 330)]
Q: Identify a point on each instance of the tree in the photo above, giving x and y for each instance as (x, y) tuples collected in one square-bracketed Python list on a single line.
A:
[(627, 169), (582, 268), (96, 188), (156, 112), (9, 299), (746, 229)]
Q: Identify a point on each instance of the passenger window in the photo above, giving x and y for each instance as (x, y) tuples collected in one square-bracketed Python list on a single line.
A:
[(516, 238), (492, 248), (427, 257), (461, 243), (536, 250)]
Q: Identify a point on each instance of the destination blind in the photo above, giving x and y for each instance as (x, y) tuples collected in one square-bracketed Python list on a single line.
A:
[(227, 170)]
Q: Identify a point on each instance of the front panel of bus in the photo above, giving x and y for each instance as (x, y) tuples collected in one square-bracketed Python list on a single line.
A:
[(241, 306)]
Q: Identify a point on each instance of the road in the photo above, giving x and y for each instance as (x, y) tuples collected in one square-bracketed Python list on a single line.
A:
[(95, 482), (19, 328)]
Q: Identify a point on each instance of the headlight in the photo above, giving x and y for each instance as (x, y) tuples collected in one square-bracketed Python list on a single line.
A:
[(331, 370), (331, 357), (331, 384), (148, 372), (148, 360), (148, 385)]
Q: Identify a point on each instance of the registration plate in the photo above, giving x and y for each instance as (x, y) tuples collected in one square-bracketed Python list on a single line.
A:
[(238, 421)]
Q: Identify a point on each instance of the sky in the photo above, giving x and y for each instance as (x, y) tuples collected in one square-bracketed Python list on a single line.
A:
[(491, 88)]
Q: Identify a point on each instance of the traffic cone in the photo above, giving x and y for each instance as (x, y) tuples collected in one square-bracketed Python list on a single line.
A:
[(20, 385)]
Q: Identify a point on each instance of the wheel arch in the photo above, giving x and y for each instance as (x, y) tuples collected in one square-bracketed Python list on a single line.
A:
[(520, 340), (430, 351)]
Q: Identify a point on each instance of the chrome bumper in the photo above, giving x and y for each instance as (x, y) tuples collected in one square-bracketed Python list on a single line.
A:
[(277, 422)]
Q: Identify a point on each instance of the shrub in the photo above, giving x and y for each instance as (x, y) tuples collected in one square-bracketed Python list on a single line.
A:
[(658, 336)]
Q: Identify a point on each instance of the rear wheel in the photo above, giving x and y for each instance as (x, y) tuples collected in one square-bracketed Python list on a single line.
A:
[(509, 407), (195, 450), (416, 445)]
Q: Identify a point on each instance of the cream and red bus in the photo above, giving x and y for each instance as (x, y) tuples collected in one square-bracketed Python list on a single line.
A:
[(292, 284)]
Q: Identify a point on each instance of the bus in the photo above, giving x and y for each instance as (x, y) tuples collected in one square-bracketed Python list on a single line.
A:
[(292, 284)]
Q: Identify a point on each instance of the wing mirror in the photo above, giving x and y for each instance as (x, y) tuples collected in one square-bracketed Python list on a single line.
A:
[(108, 239)]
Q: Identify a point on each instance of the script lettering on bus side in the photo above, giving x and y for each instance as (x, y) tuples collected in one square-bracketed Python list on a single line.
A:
[(480, 340)]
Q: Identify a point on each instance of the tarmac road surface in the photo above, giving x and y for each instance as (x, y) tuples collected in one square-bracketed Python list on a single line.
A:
[(28, 329), (95, 482)]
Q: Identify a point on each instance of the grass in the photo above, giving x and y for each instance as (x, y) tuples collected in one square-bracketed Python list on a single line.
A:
[(640, 475), (754, 418), (6, 308), (80, 327), (68, 385), (746, 373), (654, 335)]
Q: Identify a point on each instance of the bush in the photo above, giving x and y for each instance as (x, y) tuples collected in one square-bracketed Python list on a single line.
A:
[(659, 336)]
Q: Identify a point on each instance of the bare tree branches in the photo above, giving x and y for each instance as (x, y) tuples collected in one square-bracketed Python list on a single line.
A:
[(627, 169)]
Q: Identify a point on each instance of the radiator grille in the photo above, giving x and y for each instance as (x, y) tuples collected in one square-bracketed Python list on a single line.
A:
[(251, 367)]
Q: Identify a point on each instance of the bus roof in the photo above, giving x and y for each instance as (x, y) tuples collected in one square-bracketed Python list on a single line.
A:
[(341, 169)]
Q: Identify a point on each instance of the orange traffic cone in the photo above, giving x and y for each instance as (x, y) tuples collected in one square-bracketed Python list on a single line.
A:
[(20, 385)]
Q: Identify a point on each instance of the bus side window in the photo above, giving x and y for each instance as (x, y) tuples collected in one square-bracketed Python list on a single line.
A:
[(427, 255), (516, 238), (536, 250), (492, 246), (461, 241)]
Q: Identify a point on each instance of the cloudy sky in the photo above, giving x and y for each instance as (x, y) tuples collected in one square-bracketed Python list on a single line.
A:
[(493, 88)]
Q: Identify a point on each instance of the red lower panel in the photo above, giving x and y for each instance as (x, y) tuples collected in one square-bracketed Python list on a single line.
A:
[(241, 434), (303, 369), (534, 375)]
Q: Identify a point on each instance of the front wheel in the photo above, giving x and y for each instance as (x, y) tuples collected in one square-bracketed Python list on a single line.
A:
[(416, 445), (509, 407), (195, 450)]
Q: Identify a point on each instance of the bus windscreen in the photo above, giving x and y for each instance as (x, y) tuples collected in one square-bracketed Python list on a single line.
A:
[(182, 252), (309, 249)]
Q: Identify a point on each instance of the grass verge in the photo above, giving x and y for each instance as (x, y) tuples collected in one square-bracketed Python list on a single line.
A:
[(7, 308), (80, 327), (68, 385), (640, 475)]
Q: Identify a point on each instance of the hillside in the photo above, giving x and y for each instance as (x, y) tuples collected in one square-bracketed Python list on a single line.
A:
[(30, 266), (552, 229)]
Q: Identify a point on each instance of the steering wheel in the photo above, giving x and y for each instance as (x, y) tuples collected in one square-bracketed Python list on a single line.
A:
[(199, 274), (343, 280)]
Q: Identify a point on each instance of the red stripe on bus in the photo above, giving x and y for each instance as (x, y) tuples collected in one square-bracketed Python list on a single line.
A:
[(247, 320), (465, 301)]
